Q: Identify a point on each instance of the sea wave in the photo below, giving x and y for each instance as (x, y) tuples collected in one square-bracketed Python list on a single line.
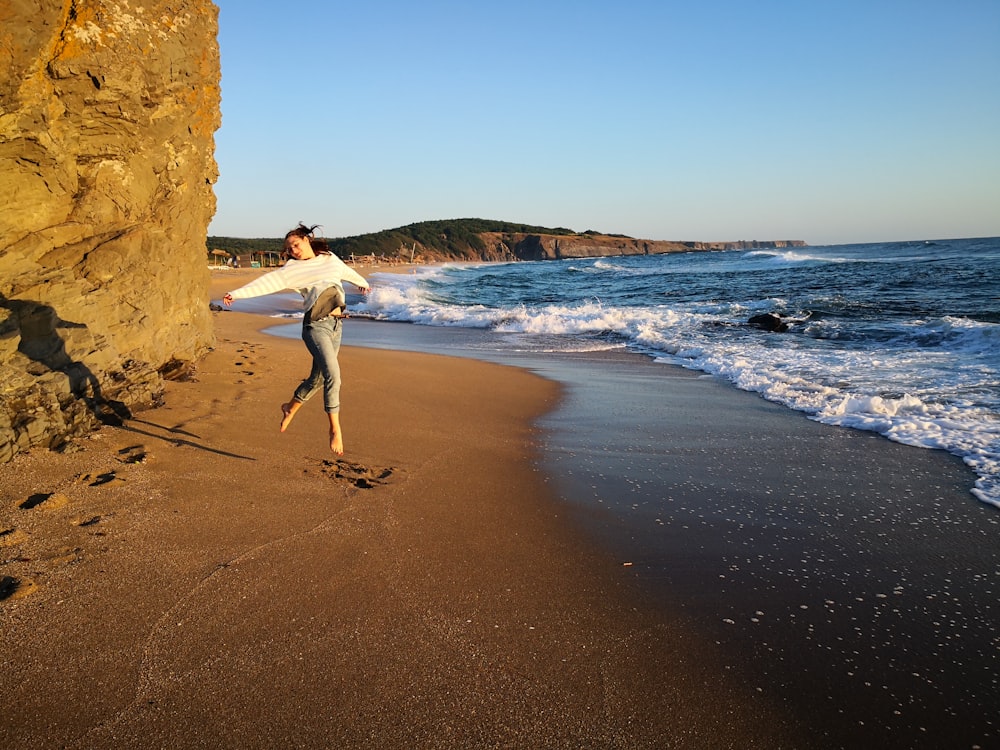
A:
[(847, 363), (795, 256)]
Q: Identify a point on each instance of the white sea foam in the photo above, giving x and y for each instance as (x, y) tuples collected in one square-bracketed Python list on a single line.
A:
[(607, 265), (797, 256)]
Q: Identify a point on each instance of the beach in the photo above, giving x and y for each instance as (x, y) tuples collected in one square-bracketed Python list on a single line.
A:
[(196, 579)]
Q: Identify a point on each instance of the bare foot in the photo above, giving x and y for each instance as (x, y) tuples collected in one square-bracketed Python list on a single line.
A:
[(288, 411), (336, 443), (336, 435)]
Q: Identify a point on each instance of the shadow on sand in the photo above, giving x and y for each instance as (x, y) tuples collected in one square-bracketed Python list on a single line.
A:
[(38, 326)]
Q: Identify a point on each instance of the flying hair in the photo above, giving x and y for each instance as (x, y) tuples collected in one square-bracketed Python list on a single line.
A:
[(318, 244)]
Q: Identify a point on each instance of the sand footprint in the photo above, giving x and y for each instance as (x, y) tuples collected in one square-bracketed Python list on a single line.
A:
[(134, 454), (245, 363), (96, 480), (51, 501), (15, 588), (359, 475), (12, 536), (64, 556)]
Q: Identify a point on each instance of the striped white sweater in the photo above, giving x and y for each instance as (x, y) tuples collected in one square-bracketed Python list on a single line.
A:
[(310, 278)]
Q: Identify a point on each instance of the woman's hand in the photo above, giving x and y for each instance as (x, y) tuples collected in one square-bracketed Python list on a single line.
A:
[(227, 300)]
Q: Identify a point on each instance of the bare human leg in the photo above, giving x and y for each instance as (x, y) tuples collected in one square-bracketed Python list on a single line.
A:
[(336, 435), (288, 411)]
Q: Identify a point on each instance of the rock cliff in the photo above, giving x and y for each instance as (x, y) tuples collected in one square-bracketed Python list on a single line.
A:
[(108, 110), (555, 247)]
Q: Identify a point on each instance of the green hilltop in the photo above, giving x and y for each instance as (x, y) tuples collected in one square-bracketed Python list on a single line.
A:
[(483, 239), (450, 239)]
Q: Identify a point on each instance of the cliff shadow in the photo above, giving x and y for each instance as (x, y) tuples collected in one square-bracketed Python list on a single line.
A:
[(37, 326)]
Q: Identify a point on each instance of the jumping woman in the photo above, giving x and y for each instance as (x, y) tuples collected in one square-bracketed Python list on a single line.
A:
[(318, 275)]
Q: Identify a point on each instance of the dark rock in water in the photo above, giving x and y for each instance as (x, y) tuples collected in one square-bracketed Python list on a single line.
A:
[(768, 322), (107, 156)]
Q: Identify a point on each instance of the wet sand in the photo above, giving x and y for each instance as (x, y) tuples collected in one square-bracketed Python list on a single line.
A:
[(850, 579)]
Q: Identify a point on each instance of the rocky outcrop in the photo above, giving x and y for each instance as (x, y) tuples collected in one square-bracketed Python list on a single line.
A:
[(744, 245), (555, 247), (108, 110)]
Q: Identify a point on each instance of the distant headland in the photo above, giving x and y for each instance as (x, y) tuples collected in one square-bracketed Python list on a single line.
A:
[(491, 240)]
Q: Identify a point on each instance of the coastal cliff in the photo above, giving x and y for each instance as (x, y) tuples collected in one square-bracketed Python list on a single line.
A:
[(556, 247), (490, 240), (108, 111)]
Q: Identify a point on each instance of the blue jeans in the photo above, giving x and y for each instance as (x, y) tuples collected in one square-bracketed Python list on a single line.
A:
[(322, 339)]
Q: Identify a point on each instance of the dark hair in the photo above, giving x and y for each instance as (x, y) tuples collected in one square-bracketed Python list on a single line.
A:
[(318, 244)]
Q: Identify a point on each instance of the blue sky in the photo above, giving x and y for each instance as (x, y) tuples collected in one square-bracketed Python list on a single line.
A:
[(831, 122)]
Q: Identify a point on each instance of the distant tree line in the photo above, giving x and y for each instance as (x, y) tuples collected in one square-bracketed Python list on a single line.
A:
[(244, 246), (451, 238)]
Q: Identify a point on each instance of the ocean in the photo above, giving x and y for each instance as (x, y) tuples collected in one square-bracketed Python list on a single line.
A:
[(902, 338)]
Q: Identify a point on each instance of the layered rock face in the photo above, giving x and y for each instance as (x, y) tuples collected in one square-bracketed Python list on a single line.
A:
[(555, 247), (108, 110)]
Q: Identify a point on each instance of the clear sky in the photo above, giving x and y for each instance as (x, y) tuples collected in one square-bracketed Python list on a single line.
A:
[(828, 121)]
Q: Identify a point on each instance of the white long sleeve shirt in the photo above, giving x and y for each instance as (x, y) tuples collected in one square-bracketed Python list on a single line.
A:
[(310, 278)]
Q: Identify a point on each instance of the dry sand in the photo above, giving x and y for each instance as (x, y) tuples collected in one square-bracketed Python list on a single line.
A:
[(196, 579)]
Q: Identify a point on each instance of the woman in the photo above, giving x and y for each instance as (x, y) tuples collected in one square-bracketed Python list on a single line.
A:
[(318, 275)]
